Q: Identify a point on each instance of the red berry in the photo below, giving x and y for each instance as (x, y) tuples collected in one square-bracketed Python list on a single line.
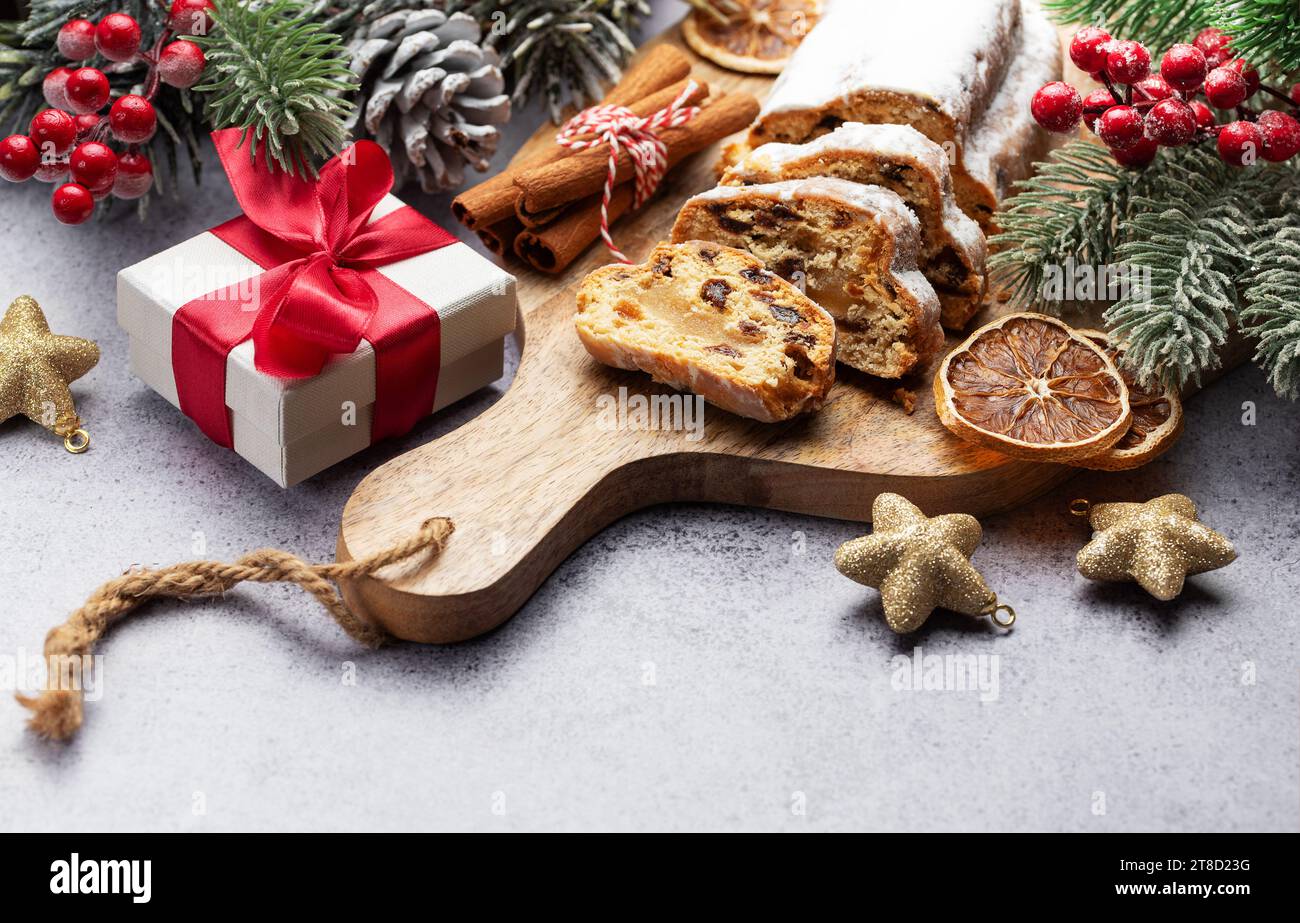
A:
[(134, 176), (1183, 66), (1094, 104), (1171, 122), (55, 87), (94, 165), (181, 64), (1204, 115), (132, 119), (117, 37), (72, 203), (1240, 143), (76, 40), (1248, 73), (19, 158), (1210, 40), (52, 170), (1120, 127), (87, 90), (1153, 87), (1281, 134), (1088, 49), (1218, 58), (190, 17), (53, 131), (1139, 155), (1057, 106), (1127, 61), (1295, 93), (1225, 88), (86, 121)]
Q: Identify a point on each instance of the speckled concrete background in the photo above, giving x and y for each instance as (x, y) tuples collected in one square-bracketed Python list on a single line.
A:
[(691, 667)]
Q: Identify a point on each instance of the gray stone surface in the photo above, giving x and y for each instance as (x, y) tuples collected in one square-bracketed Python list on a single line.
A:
[(691, 667)]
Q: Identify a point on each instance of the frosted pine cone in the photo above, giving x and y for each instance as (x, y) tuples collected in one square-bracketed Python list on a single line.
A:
[(431, 95)]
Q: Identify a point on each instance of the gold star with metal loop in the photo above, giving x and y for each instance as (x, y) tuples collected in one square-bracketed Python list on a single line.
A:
[(36, 367), (920, 564)]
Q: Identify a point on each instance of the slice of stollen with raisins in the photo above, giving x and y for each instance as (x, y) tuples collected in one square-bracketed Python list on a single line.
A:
[(710, 319), (853, 248), (901, 159)]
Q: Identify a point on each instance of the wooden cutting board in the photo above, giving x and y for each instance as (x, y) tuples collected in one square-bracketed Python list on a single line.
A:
[(541, 471)]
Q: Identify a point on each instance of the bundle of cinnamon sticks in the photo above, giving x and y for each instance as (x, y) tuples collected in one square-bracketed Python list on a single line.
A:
[(546, 210)]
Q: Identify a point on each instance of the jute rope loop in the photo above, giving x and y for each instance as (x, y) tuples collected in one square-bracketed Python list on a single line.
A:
[(58, 713)]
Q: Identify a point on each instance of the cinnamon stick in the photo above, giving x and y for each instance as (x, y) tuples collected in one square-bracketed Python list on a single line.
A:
[(575, 177), (553, 248), (534, 220), (648, 106), (494, 199), (500, 237)]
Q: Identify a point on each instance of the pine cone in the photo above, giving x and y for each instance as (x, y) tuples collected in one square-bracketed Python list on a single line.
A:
[(430, 88)]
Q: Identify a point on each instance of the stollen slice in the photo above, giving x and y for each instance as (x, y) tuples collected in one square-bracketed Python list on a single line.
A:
[(852, 248), (711, 319), (901, 159)]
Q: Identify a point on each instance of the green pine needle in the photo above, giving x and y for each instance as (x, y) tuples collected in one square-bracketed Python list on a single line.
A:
[(1191, 234), (280, 77), (566, 50), (1073, 209), (1210, 246), (1158, 23), (1272, 295), (1265, 32)]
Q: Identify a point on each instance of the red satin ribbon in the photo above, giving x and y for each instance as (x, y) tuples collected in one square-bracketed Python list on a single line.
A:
[(320, 293)]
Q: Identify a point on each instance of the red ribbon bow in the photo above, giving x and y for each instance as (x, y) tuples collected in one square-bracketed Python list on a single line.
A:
[(319, 294)]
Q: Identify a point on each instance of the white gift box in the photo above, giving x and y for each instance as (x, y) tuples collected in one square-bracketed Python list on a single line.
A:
[(292, 429)]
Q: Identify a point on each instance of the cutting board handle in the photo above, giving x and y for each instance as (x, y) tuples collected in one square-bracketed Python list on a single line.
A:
[(525, 484)]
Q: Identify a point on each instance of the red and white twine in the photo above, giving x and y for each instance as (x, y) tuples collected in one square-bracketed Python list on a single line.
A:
[(622, 129)]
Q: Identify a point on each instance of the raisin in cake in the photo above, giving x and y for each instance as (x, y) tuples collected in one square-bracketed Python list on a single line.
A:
[(933, 64), (710, 319), (1007, 142), (901, 159), (854, 248)]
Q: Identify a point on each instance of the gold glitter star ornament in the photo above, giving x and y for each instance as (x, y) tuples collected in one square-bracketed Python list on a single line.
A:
[(919, 564), (1158, 544), (36, 367)]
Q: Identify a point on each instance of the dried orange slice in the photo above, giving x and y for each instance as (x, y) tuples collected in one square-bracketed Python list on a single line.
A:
[(1028, 386), (1157, 417), (750, 36)]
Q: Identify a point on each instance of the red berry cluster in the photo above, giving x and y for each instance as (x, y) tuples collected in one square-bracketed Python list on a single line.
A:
[(70, 137), (1138, 112)]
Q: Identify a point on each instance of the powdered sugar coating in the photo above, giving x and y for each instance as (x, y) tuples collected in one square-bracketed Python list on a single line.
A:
[(949, 55), (899, 144), (1007, 141), (876, 202), (895, 142), (865, 203)]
